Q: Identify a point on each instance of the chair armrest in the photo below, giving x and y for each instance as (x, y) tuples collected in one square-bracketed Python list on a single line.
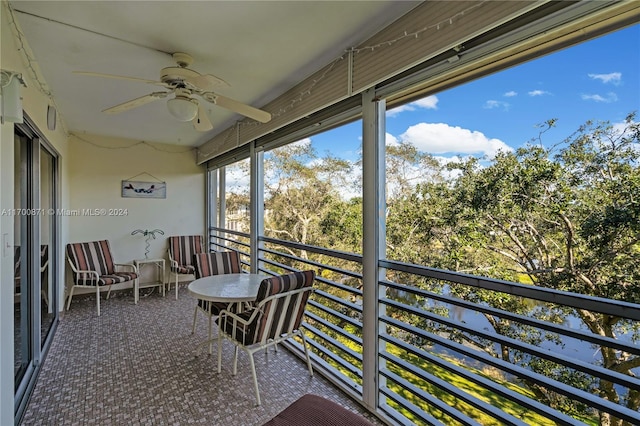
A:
[(226, 313), (78, 272)]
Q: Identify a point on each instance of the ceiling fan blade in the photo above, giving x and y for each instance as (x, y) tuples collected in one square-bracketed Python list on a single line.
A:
[(120, 77), (134, 103), (202, 123), (239, 107), (207, 82)]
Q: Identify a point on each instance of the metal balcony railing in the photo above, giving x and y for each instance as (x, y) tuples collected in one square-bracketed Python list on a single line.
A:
[(460, 349)]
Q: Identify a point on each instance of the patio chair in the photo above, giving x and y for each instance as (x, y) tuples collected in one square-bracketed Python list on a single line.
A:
[(93, 268), (181, 250), (215, 263), (276, 316)]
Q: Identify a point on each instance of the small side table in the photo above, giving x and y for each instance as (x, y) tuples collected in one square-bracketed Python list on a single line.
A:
[(159, 282)]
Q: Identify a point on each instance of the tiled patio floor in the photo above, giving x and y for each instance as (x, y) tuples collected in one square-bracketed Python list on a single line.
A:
[(136, 365)]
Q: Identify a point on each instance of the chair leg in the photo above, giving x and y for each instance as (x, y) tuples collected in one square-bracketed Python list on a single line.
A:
[(255, 377), (210, 326), (195, 317), (235, 361), (69, 298), (176, 286), (108, 293), (306, 353), (219, 352), (98, 298)]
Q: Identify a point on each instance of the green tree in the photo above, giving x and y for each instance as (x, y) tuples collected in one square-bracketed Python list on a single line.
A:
[(569, 218)]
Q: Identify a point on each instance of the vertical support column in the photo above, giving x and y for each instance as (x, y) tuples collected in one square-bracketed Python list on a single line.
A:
[(374, 206), (212, 203), (256, 208), (222, 205)]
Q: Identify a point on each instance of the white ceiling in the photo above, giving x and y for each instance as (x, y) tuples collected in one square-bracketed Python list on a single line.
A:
[(261, 48)]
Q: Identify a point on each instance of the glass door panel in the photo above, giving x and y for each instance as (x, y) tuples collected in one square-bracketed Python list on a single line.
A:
[(23, 352), (47, 231)]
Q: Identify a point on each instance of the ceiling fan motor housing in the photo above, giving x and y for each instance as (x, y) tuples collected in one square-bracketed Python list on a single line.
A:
[(176, 76)]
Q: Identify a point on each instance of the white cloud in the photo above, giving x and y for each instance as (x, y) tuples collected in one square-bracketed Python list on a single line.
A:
[(430, 102), (510, 94), (390, 139), (538, 93), (491, 104), (609, 98), (614, 78), (440, 138)]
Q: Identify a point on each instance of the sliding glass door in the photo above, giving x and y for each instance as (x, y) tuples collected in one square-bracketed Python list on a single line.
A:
[(34, 253)]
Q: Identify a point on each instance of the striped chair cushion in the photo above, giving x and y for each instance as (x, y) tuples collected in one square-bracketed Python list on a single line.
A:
[(92, 256), (245, 335), (214, 308), (216, 263), (115, 278), (269, 322), (269, 329), (182, 249), (96, 256), (184, 269)]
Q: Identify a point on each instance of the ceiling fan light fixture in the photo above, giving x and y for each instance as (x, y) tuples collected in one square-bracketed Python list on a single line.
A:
[(183, 108)]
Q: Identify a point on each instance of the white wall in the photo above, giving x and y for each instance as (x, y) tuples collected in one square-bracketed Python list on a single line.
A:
[(34, 103), (90, 178), (98, 165)]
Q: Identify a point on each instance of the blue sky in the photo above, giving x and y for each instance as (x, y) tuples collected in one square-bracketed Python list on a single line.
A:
[(598, 79)]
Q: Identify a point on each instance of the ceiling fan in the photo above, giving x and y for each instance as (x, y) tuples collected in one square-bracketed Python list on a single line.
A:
[(183, 83)]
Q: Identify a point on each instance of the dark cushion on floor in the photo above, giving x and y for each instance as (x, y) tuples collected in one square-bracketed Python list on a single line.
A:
[(313, 410)]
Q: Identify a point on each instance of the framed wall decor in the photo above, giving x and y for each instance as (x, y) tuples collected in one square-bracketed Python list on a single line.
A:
[(139, 189)]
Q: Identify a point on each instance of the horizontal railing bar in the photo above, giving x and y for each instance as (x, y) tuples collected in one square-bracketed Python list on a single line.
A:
[(277, 264), (338, 300), (230, 231), (417, 411), (577, 334), (318, 278), (313, 330), (574, 363), (243, 253), (314, 263), (336, 314), (436, 402), (345, 364), (484, 382), (314, 249), (559, 387), (339, 330), (238, 242), (340, 286), (575, 300), (334, 375)]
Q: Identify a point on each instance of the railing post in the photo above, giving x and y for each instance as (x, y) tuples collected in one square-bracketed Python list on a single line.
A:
[(374, 230), (212, 203), (222, 205), (256, 208)]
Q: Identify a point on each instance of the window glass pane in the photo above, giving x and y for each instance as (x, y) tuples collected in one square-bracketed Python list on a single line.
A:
[(530, 175), (237, 197), (313, 190), (22, 328)]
